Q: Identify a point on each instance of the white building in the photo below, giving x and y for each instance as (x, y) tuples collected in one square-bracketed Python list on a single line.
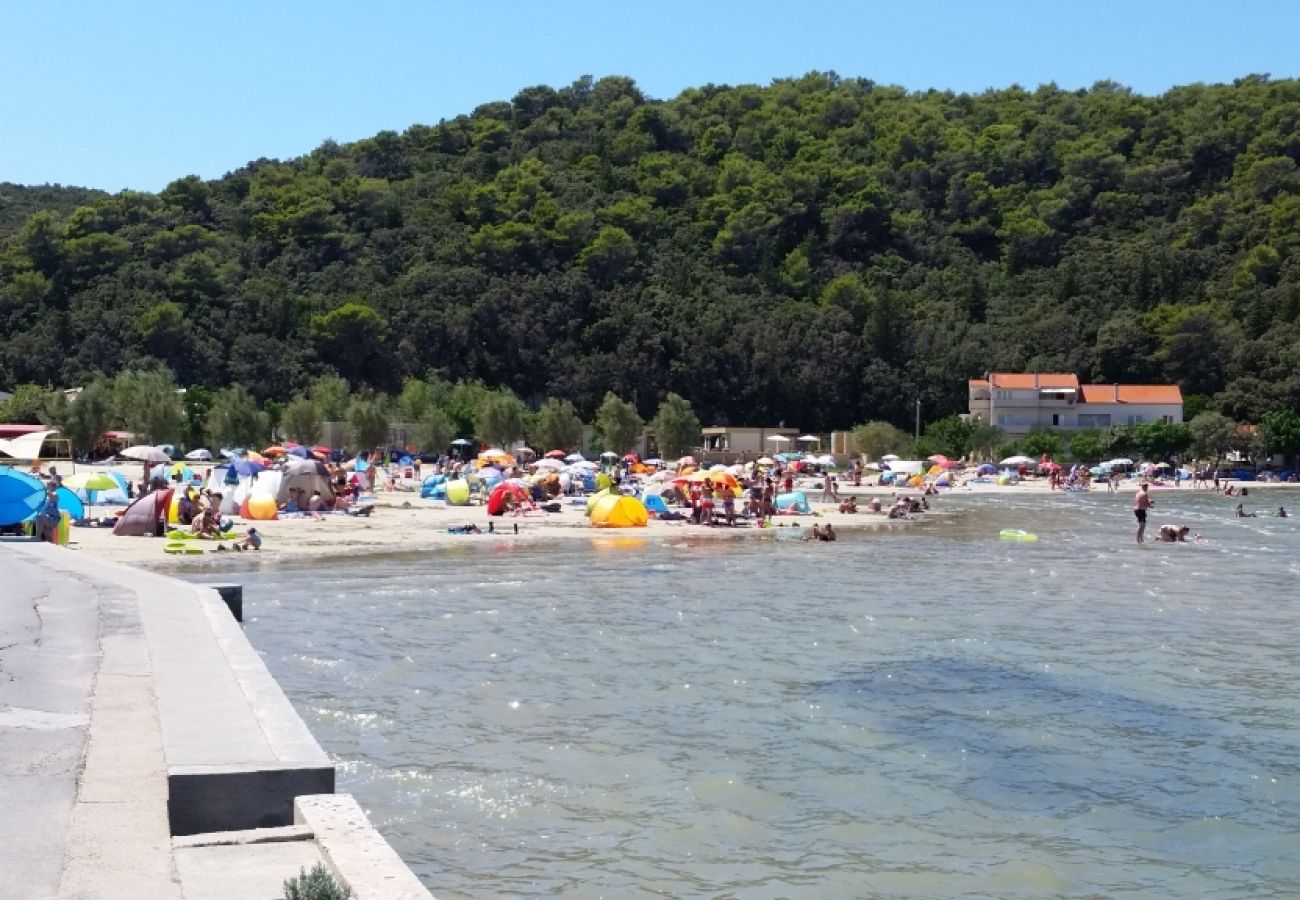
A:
[(1017, 402)]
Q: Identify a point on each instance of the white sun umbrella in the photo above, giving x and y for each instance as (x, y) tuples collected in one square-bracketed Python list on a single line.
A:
[(808, 439), (146, 454), (778, 439), (1017, 461), (609, 454), (575, 458), (1121, 461), (200, 455), (584, 465), (717, 467), (888, 457), (552, 464)]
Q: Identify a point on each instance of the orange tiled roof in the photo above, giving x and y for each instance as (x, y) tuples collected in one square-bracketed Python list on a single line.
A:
[(1025, 381), (1131, 393)]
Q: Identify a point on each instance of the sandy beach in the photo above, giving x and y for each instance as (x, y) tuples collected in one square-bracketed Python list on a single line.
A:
[(404, 523)]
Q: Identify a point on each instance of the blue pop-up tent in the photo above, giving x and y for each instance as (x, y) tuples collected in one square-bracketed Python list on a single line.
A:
[(655, 503), (21, 496), (434, 487), (794, 501)]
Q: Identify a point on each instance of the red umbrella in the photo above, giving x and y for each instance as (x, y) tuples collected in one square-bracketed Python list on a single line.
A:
[(556, 454)]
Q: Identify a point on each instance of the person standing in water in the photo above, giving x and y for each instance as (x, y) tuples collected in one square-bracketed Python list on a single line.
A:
[(1141, 503)]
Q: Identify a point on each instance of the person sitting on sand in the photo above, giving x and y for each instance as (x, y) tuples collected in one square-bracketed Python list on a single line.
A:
[(874, 505), (251, 541), (1173, 533), (849, 505), (1242, 514), (316, 505)]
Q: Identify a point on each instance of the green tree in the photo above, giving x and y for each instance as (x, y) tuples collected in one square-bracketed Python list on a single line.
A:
[(676, 427), (149, 404), (502, 419), (301, 421), (1212, 435), (30, 404), (1041, 442), (433, 430), (369, 424), (1280, 431), (556, 426), (465, 401), (352, 338), (84, 420), (331, 395), (950, 436), (235, 420), (618, 424), (198, 400), (875, 440), (1161, 441), (1085, 445)]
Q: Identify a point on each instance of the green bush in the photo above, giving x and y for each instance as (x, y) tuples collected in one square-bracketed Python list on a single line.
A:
[(318, 884)]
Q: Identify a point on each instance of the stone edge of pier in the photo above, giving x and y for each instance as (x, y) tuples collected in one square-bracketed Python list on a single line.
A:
[(197, 778)]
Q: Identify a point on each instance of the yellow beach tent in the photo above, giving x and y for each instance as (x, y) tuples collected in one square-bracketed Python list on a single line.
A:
[(615, 511)]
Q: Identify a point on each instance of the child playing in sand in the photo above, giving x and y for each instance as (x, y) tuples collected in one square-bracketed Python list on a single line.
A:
[(253, 541)]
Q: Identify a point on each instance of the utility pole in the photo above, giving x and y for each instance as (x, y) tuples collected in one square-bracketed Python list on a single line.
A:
[(918, 418)]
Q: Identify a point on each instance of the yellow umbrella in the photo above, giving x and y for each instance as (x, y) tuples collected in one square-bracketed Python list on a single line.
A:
[(91, 481)]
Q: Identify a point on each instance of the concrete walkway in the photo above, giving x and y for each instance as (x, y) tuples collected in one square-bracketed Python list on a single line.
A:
[(133, 711)]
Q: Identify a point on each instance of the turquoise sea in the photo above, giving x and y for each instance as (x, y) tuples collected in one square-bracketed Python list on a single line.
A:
[(919, 712)]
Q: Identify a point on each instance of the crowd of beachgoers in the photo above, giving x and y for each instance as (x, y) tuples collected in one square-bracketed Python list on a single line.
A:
[(253, 500)]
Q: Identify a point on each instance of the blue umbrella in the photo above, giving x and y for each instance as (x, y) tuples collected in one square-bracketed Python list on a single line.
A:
[(21, 496), (297, 450), (247, 467)]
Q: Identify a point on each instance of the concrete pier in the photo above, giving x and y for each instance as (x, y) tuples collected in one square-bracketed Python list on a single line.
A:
[(145, 750)]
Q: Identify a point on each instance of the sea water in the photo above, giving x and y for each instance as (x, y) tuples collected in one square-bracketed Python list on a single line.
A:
[(923, 711)]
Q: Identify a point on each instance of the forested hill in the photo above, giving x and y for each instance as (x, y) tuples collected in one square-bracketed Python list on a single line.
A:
[(820, 251), (17, 202)]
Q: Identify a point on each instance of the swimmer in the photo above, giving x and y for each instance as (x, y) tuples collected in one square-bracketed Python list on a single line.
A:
[(1242, 514), (1281, 512), (1170, 534)]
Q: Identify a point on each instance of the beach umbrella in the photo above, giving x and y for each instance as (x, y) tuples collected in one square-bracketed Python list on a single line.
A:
[(583, 465), (609, 454), (808, 438), (274, 450), (90, 481), (778, 439), (549, 464), (462, 442), (987, 469), (1120, 461), (555, 454), (631, 458), (888, 457), (248, 467), (766, 461), (489, 472), (231, 454), (575, 458), (1017, 461), (298, 450), (145, 454), (937, 458), (199, 455), (686, 461)]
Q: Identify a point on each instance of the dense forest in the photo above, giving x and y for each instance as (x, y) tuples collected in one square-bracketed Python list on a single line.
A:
[(820, 251)]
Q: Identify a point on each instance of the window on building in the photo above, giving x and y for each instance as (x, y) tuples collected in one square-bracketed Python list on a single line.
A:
[(1056, 418), (1094, 420), (1004, 395)]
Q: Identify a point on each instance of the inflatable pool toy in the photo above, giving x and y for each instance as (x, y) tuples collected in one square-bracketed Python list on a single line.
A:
[(261, 507), (1015, 534), (181, 547), (175, 535)]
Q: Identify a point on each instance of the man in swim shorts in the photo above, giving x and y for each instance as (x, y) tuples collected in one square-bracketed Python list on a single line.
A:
[(1141, 503)]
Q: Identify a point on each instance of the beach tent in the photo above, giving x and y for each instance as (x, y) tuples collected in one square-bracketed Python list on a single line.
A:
[(434, 487), (655, 504), (793, 502), (503, 493), (618, 511), (141, 517), (70, 503), (309, 475), (457, 492), (27, 446), (908, 466), (21, 496), (596, 498)]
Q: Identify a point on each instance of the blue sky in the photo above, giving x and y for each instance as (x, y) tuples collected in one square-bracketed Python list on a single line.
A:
[(134, 94)]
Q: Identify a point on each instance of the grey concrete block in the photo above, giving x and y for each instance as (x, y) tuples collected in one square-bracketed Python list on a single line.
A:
[(226, 798), (357, 853)]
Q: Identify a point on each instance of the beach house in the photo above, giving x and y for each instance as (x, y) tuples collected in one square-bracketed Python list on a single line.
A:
[(1017, 402)]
